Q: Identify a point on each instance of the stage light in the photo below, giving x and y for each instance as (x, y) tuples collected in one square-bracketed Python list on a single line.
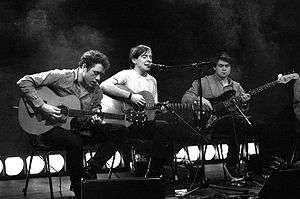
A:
[(56, 163), (251, 148), (37, 164), (14, 166), (192, 155), (116, 162), (88, 155), (1, 166), (210, 152), (225, 150)]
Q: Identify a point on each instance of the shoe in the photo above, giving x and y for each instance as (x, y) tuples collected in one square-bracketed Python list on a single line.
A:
[(233, 173)]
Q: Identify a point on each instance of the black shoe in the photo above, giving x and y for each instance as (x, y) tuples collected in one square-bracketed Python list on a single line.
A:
[(233, 173)]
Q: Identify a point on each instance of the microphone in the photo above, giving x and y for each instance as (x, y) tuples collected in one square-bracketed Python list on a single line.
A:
[(158, 66)]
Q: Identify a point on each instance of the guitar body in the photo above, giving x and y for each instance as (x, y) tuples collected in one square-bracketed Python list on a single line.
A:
[(36, 123), (117, 105), (217, 102)]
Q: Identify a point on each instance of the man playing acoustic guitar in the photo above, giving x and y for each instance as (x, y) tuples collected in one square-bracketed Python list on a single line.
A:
[(129, 86), (83, 83)]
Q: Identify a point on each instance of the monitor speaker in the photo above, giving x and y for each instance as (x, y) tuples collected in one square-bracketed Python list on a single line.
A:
[(151, 188), (282, 184)]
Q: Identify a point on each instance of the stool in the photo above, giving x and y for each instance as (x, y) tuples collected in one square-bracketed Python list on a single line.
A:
[(46, 150)]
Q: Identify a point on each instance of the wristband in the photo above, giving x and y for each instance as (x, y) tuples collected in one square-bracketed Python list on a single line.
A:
[(129, 97)]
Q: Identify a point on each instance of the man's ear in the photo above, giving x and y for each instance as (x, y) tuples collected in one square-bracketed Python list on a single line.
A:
[(133, 60)]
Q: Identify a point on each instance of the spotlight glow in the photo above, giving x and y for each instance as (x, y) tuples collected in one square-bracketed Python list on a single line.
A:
[(56, 163), (1, 166), (251, 148), (116, 162), (88, 155), (210, 152), (37, 165), (14, 166)]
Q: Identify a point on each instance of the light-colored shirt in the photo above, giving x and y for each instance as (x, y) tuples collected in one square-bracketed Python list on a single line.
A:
[(211, 87), (63, 82), (136, 82)]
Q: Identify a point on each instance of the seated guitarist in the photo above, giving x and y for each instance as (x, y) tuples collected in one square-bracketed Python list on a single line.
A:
[(213, 86), (138, 79), (83, 82)]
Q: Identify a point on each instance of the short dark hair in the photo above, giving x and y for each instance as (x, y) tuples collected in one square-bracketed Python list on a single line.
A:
[(224, 56), (91, 57), (136, 51)]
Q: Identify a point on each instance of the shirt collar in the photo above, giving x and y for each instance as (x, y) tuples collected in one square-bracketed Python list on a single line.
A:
[(218, 79)]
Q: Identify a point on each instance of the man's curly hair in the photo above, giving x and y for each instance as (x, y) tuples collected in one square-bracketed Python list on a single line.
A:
[(91, 57)]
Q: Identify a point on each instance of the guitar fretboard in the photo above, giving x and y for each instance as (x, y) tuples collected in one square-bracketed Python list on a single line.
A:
[(262, 88), (78, 113)]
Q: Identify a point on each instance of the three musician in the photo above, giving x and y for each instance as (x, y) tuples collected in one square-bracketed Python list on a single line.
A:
[(128, 86)]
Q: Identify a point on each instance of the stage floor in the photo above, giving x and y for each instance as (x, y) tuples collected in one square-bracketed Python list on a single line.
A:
[(217, 187)]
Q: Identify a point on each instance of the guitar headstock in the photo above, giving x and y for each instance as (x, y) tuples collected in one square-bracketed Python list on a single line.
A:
[(136, 117), (286, 78)]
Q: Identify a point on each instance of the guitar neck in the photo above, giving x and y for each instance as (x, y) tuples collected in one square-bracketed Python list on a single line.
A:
[(173, 106), (181, 106), (78, 113), (263, 87)]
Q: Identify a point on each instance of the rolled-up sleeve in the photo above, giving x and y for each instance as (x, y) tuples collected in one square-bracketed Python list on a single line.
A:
[(191, 94), (29, 84)]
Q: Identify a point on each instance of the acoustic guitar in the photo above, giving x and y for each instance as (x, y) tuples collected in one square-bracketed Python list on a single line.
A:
[(35, 122), (115, 105)]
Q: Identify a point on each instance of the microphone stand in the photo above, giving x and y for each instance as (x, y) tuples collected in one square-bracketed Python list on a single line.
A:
[(199, 122)]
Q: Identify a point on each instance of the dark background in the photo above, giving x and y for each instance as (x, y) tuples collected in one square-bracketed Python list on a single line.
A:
[(262, 36)]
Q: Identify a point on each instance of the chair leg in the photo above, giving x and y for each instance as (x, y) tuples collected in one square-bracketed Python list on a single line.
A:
[(148, 167), (111, 167), (223, 161), (49, 175), (28, 175), (132, 163)]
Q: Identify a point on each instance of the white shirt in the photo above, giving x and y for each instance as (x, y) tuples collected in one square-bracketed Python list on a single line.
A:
[(136, 82)]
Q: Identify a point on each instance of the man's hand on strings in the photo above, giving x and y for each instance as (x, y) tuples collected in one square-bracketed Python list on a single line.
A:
[(97, 119), (138, 99), (52, 111)]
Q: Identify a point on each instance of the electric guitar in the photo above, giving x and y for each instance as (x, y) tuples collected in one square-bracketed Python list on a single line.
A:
[(35, 122), (117, 105), (224, 103)]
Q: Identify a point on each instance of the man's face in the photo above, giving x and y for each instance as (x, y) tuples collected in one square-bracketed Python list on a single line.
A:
[(222, 69), (143, 61), (92, 76)]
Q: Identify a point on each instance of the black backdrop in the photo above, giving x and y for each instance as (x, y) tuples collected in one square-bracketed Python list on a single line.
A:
[(263, 37)]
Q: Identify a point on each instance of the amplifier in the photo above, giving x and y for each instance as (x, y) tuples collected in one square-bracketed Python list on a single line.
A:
[(150, 188)]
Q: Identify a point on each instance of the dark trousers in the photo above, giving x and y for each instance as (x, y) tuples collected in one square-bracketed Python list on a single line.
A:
[(159, 132), (109, 138), (72, 143), (235, 130)]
